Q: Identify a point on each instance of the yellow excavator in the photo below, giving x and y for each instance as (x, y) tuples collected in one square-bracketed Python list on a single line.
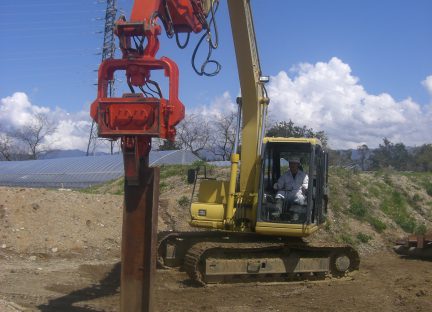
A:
[(257, 234)]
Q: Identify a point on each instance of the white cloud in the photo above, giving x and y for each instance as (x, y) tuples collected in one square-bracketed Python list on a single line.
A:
[(427, 83), (72, 130), (221, 104), (16, 110), (326, 96)]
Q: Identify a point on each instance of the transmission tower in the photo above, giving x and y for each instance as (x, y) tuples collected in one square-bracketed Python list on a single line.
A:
[(108, 50)]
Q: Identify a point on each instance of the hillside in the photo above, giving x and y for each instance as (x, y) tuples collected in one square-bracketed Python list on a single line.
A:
[(366, 209), (372, 209), (369, 210)]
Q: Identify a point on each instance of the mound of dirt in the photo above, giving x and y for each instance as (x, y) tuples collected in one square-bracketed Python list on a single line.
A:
[(44, 222)]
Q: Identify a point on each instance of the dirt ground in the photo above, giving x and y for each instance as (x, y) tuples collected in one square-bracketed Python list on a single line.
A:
[(59, 251)]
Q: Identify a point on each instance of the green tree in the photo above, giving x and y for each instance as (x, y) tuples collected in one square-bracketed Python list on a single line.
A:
[(391, 155), (289, 129), (168, 145), (339, 158), (423, 158)]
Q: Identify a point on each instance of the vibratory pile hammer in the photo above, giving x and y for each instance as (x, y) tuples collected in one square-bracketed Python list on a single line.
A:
[(136, 118)]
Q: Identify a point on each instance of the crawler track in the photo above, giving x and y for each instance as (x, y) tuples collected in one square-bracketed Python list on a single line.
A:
[(220, 257)]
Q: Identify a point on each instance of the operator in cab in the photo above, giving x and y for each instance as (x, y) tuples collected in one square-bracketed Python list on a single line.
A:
[(292, 186)]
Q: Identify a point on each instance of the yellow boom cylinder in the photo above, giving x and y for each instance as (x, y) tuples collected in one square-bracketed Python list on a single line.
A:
[(235, 158)]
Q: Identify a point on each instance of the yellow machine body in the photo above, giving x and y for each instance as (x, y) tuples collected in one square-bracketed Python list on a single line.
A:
[(209, 210)]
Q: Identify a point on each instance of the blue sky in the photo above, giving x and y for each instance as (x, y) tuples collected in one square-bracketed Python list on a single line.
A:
[(49, 48)]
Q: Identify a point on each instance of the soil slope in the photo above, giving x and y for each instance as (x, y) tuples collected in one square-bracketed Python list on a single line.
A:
[(59, 250)]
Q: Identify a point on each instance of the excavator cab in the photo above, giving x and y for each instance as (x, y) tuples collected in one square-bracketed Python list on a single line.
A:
[(285, 209)]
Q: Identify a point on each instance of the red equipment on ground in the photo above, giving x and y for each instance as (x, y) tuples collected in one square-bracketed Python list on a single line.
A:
[(415, 246)]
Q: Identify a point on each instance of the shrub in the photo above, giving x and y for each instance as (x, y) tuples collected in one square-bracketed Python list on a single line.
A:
[(357, 206), (378, 225), (363, 238), (395, 207), (420, 229), (416, 198), (374, 190), (347, 239), (167, 171), (183, 201), (387, 179), (407, 224), (163, 186), (428, 188)]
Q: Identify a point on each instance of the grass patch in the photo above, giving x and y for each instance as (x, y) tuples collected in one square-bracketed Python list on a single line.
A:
[(163, 186), (387, 179), (347, 239), (183, 201), (395, 206), (363, 238), (420, 229), (416, 198), (377, 224), (94, 189), (428, 187), (114, 187), (358, 206), (167, 171), (374, 190)]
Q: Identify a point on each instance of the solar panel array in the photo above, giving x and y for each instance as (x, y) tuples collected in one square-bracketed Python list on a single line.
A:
[(78, 172)]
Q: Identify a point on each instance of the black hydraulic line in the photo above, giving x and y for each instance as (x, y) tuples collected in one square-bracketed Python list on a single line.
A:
[(179, 44), (131, 88), (212, 45), (158, 89), (146, 94), (169, 26)]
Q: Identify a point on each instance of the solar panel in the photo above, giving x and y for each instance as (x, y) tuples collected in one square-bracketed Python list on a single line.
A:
[(79, 172)]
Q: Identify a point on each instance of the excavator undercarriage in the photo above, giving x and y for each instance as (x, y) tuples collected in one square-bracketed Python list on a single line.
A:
[(228, 257)]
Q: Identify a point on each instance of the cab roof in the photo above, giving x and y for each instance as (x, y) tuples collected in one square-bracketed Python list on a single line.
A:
[(313, 141)]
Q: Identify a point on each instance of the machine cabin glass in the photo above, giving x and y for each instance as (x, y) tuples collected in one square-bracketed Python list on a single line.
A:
[(293, 183)]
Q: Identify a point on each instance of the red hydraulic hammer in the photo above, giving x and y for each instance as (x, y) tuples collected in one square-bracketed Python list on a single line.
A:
[(136, 119)]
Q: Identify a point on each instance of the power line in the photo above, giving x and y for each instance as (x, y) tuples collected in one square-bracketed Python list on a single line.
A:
[(47, 12), (49, 22), (46, 34), (108, 51), (39, 4), (44, 28)]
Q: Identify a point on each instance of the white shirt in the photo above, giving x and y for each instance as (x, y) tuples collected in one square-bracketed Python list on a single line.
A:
[(293, 185)]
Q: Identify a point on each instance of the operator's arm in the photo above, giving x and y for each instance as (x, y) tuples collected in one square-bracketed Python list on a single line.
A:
[(279, 185), (305, 183)]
